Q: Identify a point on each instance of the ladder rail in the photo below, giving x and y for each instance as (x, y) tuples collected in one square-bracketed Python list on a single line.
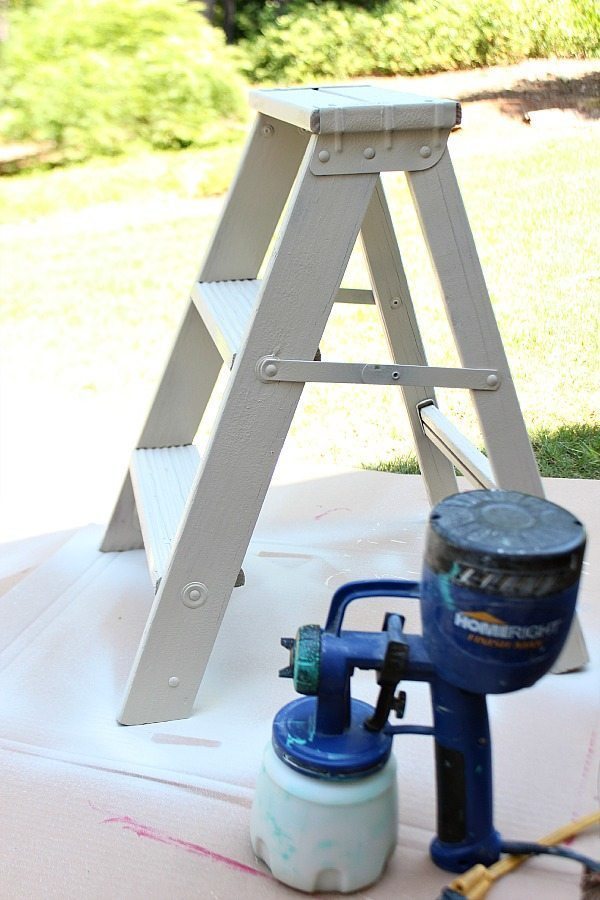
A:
[(452, 250), (261, 188), (321, 225), (394, 302)]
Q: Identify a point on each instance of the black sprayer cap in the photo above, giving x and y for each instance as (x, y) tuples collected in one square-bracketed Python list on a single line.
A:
[(505, 542)]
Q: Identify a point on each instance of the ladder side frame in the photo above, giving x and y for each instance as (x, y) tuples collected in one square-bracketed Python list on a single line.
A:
[(314, 244), (262, 185), (394, 301), (453, 253)]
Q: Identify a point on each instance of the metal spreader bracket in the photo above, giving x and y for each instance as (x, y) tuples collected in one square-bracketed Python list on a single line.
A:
[(271, 368)]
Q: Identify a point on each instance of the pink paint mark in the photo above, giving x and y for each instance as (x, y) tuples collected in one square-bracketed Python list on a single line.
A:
[(184, 741), (274, 554), (335, 509), (146, 831)]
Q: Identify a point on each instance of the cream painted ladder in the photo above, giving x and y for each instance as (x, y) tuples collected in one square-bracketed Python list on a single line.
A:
[(323, 149)]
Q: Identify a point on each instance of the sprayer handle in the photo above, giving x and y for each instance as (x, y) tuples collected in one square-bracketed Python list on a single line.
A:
[(465, 828), (358, 590)]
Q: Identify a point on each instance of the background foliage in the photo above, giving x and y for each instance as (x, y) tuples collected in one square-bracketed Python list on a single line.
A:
[(96, 253), (97, 76), (329, 38)]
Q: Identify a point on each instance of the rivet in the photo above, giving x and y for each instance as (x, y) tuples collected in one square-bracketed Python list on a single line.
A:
[(425, 151), (194, 594), (491, 380), (173, 681), (395, 376), (369, 152), (270, 370), (395, 302), (268, 130), (324, 156)]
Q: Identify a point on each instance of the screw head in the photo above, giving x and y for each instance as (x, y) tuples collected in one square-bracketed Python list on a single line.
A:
[(369, 152), (324, 156), (194, 595), (425, 151), (173, 681)]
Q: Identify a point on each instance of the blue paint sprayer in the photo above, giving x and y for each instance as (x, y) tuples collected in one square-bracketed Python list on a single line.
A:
[(497, 597)]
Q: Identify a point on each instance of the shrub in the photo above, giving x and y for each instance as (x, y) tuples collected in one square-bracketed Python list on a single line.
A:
[(318, 41), (565, 28), (96, 76), (335, 39)]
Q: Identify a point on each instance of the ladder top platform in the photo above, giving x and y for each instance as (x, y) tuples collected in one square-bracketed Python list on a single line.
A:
[(342, 109)]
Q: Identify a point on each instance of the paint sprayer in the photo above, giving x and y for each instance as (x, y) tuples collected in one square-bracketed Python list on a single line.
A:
[(497, 597)]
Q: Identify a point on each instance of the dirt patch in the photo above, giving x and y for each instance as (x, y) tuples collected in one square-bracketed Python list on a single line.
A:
[(513, 92), (514, 105), (579, 94)]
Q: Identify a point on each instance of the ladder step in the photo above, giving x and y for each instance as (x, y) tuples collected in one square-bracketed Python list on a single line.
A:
[(226, 308), (355, 108), (162, 480)]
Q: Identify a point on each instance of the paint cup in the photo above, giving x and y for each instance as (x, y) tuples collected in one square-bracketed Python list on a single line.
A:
[(318, 834)]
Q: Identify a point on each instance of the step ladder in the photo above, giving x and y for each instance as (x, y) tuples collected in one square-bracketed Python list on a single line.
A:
[(314, 155)]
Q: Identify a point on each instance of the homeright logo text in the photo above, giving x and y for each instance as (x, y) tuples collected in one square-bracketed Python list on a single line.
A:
[(479, 623)]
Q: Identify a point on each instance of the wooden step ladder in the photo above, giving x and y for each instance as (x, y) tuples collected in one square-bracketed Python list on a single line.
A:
[(314, 155)]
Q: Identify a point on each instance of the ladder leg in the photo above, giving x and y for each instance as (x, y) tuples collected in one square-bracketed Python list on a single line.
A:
[(298, 291), (454, 256), (395, 304), (123, 531), (251, 212), (255, 201), (453, 253)]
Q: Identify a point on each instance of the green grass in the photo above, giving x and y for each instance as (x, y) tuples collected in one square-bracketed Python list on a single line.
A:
[(97, 261), (570, 451), (184, 174)]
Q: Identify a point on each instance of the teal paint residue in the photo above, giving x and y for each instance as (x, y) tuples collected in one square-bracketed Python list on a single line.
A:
[(325, 845), (284, 841), (444, 584)]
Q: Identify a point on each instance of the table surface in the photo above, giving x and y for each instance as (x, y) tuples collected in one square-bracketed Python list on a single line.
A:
[(93, 809)]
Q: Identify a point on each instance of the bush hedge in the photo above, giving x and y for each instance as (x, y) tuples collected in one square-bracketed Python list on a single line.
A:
[(340, 40), (96, 76), (93, 77)]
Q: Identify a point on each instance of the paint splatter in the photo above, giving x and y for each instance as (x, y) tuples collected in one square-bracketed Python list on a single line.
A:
[(274, 554), (588, 761), (444, 584), (329, 511), (153, 834)]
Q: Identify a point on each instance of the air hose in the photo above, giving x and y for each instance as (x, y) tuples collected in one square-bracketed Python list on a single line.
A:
[(475, 883)]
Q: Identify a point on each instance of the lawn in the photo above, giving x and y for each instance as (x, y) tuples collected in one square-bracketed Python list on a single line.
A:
[(97, 259)]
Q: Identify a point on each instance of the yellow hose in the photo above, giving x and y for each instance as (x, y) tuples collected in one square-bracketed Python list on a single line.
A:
[(475, 883)]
